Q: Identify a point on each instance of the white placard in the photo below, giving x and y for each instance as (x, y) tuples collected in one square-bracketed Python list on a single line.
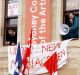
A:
[(12, 9)]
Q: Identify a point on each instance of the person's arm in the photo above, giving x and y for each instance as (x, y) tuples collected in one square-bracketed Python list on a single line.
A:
[(76, 24), (7, 41)]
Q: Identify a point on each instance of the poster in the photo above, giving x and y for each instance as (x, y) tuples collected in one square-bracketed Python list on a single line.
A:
[(38, 17), (12, 9)]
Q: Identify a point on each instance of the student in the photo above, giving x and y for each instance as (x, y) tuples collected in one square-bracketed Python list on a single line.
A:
[(74, 27), (11, 37)]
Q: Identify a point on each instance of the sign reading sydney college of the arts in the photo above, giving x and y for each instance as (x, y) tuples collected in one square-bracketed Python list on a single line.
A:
[(37, 17)]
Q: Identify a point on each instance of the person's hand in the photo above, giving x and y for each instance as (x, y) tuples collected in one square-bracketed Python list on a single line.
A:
[(71, 20), (13, 43), (7, 42)]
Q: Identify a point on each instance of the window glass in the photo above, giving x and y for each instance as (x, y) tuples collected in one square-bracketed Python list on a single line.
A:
[(11, 22), (72, 4), (11, 36), (10, 1)]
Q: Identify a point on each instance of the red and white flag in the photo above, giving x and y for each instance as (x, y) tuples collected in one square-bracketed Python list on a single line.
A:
[(25, 60), (51, 64)]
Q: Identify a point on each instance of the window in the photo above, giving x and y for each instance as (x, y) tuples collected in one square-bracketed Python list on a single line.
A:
[(11, 21), (71, 7)]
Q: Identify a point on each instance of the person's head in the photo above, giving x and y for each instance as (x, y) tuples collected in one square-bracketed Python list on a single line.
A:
[(71, 15), (10, 32)]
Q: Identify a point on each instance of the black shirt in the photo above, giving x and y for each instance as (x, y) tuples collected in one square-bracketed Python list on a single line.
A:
[(11, 38)]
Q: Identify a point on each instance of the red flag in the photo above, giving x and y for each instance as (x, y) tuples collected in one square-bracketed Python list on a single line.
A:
[(51, 64), (26, 54)]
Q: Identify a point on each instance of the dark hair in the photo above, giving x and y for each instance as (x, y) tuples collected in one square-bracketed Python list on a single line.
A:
[(71, 13)]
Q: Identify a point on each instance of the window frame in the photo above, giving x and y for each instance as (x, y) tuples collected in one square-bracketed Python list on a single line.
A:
[(66, 12), (6, 18)]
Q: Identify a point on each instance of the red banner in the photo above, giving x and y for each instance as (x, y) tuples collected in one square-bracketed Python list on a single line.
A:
[(37, 17)]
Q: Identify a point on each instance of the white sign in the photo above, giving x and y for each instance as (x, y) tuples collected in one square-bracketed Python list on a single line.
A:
[(12, 9), (39, 54)]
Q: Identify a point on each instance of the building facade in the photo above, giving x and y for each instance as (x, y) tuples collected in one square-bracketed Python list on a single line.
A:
[(57, 18)]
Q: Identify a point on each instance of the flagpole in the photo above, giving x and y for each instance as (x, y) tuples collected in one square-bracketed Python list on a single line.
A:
[(30, 49), (30, 42)]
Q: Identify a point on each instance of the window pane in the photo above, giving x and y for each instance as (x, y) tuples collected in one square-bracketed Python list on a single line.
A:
[(11, 36), (72, 4), (12, 1), (12, 22)]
